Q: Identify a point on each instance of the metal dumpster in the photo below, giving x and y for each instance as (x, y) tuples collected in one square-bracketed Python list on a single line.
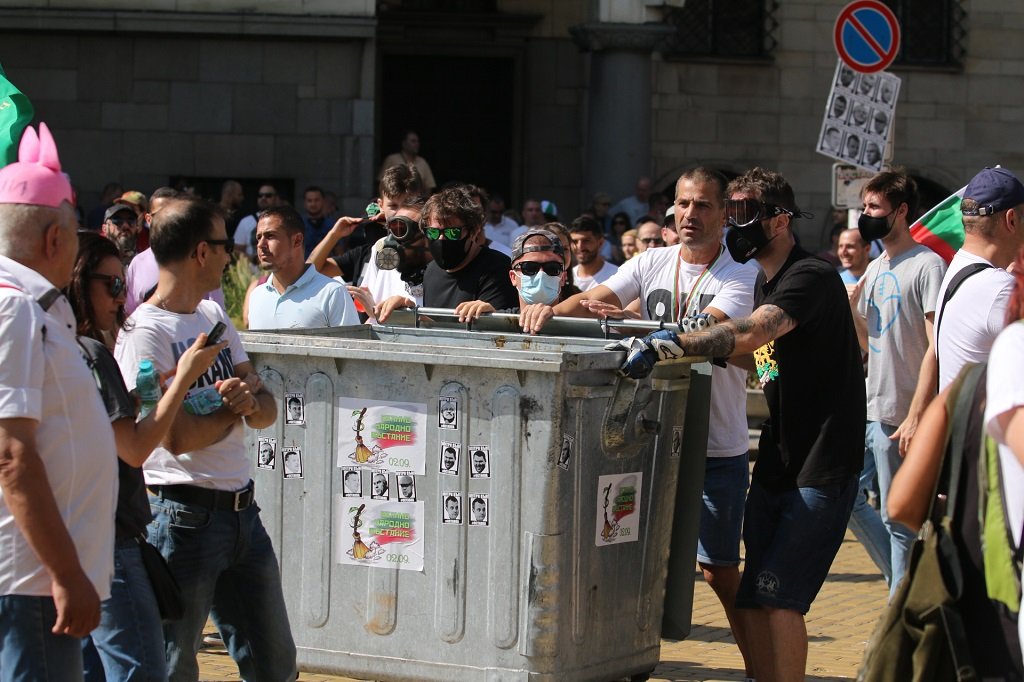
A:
[(475, 505)]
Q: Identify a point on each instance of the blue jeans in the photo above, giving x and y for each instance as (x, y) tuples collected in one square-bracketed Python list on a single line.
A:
[(128, 645), (887, 460), (791, 537), (226, 567), (29, 652), (866, 523), (721, 516)]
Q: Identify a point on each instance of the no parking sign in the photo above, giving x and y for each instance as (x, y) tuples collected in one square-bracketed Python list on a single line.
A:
[(867, 36)]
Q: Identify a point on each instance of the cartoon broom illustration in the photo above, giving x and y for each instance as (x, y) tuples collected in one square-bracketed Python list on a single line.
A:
[(606, 532), (362, 452), (359, 550)]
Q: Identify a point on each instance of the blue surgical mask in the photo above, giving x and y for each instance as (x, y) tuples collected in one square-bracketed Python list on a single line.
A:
[(540, 288)]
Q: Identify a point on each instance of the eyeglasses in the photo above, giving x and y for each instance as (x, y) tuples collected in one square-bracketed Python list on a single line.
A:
[(403, 228), (228, 244), (266, 195), (115, 284), (531, 268), (452, 234), (746, 212), (656, 241)]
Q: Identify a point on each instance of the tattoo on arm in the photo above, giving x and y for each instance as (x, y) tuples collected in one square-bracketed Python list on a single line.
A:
[(769, 322), (774, 321), (716, 342)]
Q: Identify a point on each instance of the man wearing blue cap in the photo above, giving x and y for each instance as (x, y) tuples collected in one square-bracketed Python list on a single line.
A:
[(971, 306)]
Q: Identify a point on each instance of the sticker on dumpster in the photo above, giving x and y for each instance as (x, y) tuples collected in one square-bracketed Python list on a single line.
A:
[(565, 454), (292, 462), (451, 507), (479, 510), (353, 481), (448, 413), (266, 452), (378, 533), (448, 458), (379, 485), (406, 487), (618, 509), (295, 408), (381, 435), (479, 461)]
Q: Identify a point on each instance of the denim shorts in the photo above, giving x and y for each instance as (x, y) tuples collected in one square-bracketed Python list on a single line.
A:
[(721, 516), (791, 538)]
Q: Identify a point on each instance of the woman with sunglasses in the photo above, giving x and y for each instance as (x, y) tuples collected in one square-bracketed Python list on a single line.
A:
[(129, 643)]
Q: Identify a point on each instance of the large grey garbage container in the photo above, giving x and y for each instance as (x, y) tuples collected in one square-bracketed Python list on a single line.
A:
[(452, 505)]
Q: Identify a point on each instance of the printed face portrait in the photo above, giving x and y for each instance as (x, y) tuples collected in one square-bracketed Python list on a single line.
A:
[(448, 458), (406, 488), (867, 83), (879, 122), (833, 140), (872, 155), (294, 410), (448, 413), (352, 482), (380, 485), (838, 107), (479, 461), (859, 115), (852, 146), (886, 91), (291, 460), (479, 510), (266, 453), (846, 76), (451, 508)]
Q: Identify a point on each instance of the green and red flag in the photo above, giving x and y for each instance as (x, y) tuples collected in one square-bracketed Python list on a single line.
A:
[(15, 113), (941, 228)]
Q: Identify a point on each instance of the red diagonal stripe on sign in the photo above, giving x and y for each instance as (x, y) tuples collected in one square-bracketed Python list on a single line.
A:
[(868, 38)]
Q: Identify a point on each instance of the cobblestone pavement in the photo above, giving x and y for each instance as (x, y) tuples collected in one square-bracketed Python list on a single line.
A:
[(838, 626)]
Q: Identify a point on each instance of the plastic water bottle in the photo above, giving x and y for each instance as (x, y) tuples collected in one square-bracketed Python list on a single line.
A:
[(147, 385)]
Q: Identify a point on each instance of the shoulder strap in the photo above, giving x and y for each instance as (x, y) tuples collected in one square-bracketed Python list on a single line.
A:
[(954, 284), (959, 404)]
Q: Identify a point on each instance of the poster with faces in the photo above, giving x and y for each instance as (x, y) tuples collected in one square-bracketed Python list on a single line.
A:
[(858, 117)]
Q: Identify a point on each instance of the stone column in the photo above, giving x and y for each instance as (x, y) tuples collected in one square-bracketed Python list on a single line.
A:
[(618, 147)]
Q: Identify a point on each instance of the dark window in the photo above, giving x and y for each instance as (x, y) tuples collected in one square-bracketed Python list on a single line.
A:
[(932, 32), (743, 29)]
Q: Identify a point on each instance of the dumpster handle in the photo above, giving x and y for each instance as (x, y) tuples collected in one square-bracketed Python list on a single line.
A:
[(416, 316)]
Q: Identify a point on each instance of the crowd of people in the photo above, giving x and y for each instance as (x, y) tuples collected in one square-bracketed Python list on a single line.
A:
[(850, 361)]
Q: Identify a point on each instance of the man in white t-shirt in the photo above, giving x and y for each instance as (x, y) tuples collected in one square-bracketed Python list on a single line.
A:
[(206, 522), (296, 294), (697, 276), (966, 327), (591, 268), (58, 484), (499, 227)]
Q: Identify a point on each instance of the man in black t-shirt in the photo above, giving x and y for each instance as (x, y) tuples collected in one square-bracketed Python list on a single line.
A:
[(806, 354), (464, 275)]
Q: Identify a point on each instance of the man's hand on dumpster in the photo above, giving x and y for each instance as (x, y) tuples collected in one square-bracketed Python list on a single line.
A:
[(384, 309), (533, 317), (641, 354), (472, 310)]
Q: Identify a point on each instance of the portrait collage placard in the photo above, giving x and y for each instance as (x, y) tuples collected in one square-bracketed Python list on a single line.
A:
[(858, 117)]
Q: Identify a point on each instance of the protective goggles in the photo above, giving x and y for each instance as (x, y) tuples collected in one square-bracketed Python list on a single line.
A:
[(746, 212), (404, 228), (115, 284), (452, 234), (531, 268)]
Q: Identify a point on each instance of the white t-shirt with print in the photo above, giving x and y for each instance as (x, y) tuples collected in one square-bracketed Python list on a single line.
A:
[(162, 336), (600, 277), (728, 286)]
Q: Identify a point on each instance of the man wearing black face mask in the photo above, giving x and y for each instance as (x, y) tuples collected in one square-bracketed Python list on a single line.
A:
[(464, 275), (893, 308), (804, 483)]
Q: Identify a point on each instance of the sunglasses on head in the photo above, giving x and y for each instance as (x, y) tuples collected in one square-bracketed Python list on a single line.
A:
[(450, 233), (746, 212), (228, 244), (531, 268), (115, 284), (404, 228)]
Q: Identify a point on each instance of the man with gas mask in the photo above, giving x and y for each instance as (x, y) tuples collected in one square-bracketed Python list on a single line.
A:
[(893, 308), (464, 274), (697, 283), (805, 349)]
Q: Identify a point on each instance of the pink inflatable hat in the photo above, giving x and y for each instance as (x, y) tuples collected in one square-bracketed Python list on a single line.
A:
[(35, 178)]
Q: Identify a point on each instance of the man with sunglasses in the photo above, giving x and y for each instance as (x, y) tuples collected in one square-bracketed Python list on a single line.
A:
[(206, 522), (121, 226), (807, 356), (295, 295), (464, 274), (245, 242), (648, 235)]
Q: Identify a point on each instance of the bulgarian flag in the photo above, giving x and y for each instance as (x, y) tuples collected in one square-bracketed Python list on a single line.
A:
[(941, 229), (15, 113)]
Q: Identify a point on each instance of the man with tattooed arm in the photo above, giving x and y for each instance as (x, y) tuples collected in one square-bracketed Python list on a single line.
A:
[(805, 349)]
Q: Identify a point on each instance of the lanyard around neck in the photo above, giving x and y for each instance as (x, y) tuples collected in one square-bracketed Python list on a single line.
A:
[(695, 289)]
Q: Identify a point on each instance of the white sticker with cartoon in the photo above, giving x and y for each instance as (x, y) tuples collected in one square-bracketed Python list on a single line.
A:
[(382, 435), (378, 533), (618, 508)]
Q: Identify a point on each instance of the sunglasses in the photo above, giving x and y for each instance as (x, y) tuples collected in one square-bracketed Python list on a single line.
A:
[(531, 268), (115, 284), (122, 221), (656, 241), (452, 234), (746, 212), (228, 244), (404, 228)]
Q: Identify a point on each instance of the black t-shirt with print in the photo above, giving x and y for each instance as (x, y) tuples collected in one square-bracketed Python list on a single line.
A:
[(484, 279), (813, 379)]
